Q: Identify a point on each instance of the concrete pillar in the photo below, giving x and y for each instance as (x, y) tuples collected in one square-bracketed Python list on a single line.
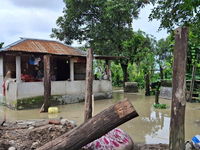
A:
[(72, 69), (18, 69), (109, 67), (1, 74)]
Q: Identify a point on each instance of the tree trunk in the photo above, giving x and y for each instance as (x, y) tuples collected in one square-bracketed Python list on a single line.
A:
[(125, 75), (161, 72), (165, 75), (88, 86), (94, 128), (177, 127), (147, 84), (47, 83)]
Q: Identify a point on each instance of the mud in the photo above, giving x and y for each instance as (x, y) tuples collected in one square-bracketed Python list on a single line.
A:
[(28, 137)]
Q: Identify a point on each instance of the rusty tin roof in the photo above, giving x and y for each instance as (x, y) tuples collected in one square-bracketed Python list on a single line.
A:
[(43, 46)]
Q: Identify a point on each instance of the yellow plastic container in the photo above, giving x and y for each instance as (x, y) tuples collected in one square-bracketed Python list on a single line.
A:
[(51, 116), (53, 110)]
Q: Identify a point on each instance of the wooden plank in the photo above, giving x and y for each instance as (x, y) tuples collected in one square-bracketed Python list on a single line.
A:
[(94, 128), (47, 83), (177, 123), (88, 86)]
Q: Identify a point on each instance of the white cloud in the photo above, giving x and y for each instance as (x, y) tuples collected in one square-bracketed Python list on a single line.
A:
[(36, 18), (33, 20), (53, 5), (149, 27)]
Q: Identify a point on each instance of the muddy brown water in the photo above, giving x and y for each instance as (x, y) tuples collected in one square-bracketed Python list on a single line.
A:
[(151, 127)]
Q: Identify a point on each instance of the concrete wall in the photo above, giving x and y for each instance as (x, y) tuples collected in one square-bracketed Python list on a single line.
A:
[(32, 89), (1, 75), (11, 94), (19, 95)]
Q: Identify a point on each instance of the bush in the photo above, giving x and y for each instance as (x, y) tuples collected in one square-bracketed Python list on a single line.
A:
[(140, 81), (160, 106)]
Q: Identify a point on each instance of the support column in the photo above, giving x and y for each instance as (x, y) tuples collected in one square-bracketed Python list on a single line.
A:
[(88, 85), (109, 67), (72, 69), (47, 82), (18, 69), (1, 73)]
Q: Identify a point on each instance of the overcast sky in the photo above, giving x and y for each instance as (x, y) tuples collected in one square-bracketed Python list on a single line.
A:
[(36, 18)]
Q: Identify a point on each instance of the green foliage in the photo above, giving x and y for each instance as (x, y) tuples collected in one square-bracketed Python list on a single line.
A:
[(163, 51), (160, 106), (140, 49), (132, 71), (99, 67), (1, 44), (105, 25), (117, 75), (155, 78), (193, 47), (174, 13), (140, 81), (101, 23)]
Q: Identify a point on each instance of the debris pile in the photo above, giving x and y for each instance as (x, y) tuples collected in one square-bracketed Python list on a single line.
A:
[(32, 134)]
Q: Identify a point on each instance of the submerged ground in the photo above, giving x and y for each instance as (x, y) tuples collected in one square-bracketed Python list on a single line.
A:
[(151, 127)]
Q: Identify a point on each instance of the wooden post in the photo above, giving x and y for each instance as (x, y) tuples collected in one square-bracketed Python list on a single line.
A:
[(177, 123), (109, 67), (88, 86), (92, 105), (156, 97), (193, 79), (147, 93), (94, 128), (47, 82)]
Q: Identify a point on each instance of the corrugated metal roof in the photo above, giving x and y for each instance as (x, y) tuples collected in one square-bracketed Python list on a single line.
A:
[(43, 46)]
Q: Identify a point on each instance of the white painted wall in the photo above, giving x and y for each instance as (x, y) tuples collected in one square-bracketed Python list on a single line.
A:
[(11, 93), (33, 89)]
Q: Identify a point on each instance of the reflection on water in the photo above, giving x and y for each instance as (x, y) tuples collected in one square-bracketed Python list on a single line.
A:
[(152, 125)]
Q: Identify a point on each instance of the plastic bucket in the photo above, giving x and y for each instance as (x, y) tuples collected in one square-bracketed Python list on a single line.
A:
[(53, 110), (196, 141)]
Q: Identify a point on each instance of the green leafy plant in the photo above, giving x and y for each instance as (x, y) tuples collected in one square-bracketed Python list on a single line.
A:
[(160, 106), (140, 81)]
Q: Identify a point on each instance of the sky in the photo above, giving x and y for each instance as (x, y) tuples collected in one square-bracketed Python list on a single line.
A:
[(36, 18)]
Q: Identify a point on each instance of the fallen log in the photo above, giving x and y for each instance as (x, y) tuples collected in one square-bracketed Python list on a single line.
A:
[(94, 128)]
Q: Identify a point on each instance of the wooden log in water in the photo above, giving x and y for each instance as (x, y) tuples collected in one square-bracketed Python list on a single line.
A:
[(94, 128)]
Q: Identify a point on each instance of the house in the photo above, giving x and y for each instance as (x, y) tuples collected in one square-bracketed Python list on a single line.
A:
[(24, 58)]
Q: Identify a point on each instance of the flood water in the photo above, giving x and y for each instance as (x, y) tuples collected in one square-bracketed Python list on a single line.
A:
[(151, 127)]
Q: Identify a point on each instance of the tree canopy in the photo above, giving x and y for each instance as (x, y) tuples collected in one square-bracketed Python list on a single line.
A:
[(1, 44), (173, 13), (97, 21), (104, 24)]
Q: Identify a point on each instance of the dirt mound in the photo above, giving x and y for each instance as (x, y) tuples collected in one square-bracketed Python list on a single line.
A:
[(30, 137)]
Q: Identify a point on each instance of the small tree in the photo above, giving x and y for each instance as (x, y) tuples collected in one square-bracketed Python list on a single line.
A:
[(104, 24), (163, 53)]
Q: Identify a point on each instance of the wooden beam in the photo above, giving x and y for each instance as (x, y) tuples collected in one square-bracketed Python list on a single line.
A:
[(88, 86), (94, 128), (177, 123), (47, 82)]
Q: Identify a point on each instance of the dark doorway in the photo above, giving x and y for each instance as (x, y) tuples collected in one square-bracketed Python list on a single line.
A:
[(63, 69)]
